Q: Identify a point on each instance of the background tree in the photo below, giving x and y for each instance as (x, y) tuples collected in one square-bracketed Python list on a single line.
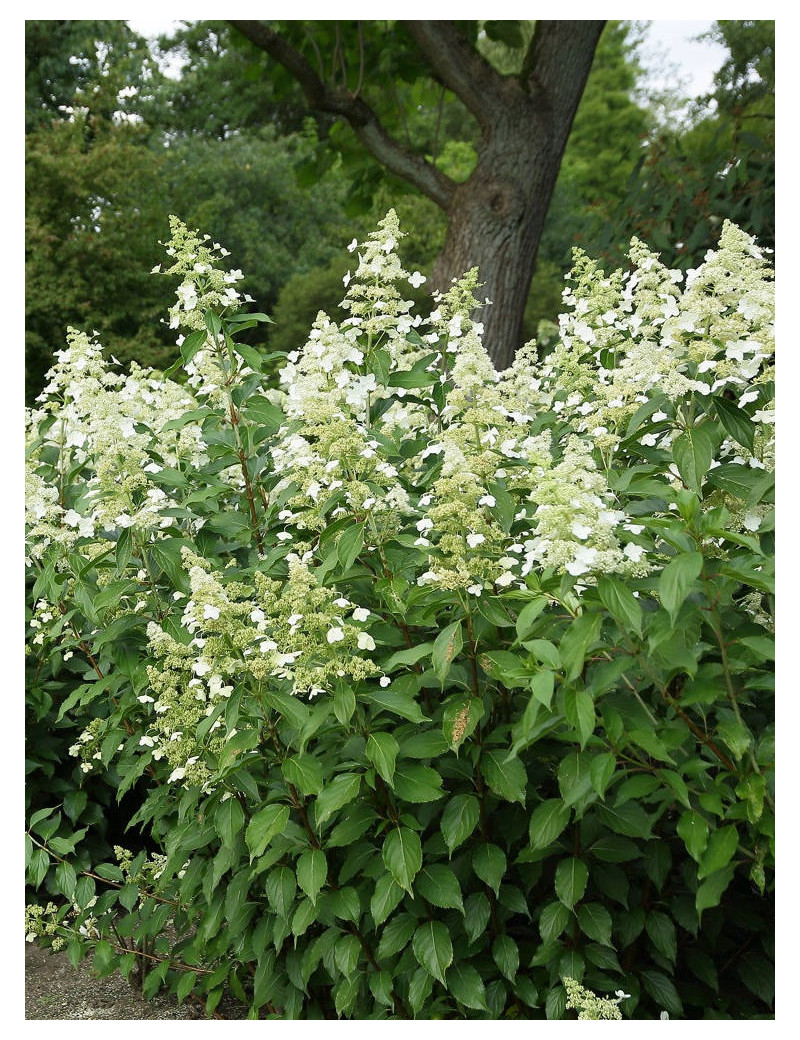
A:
[(719, 165), (495, 217)]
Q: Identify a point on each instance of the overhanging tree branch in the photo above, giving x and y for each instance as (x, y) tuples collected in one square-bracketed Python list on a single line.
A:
[(361, 117), (460, 68)]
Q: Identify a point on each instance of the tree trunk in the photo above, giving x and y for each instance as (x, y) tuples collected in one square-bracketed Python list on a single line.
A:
[(495, 222), (496, 217)]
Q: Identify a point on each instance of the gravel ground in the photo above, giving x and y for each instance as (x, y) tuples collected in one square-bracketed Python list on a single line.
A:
[(56, 990)]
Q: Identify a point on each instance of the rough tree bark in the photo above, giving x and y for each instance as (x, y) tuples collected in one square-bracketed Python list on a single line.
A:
[(494, 218)]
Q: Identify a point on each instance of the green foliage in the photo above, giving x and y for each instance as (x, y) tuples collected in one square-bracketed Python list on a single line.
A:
[(440, 693)]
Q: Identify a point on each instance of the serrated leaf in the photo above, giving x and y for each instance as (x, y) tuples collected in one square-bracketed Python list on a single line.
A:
[(396, 935), (528, 615), (446, 647), (489, 863), (571, 879), (476, 915), (263, 827), (595, 922), (621, 603), (417, 783), (693, 451), (312, 872), (460, 719), (547, 821), (677, 579), (459, 819), (505, 954), (629, 819), (304, 772), (663, 991), (736, 421), (601, 769), (661, 930), (228, 820), (579, 712), (466, 985), (720, 850), (438, 884), (337, 793), (402, 856), (505, 776), (693, 828), (382, 750), (710, 891), (385, 898), (553, 919), (433, 949)]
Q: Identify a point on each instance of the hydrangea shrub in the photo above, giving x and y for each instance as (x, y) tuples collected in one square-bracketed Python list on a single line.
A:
[(435, 686)]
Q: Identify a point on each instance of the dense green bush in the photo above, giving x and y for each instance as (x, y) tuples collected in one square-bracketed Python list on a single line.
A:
[(436, 686)]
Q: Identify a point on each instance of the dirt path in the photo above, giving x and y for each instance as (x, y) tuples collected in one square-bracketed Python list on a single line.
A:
[(56, 990)]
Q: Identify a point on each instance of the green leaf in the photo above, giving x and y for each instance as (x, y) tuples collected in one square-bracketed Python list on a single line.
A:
[(263, 827), (185, 985), (460, 719), (281, 887), (543, 685), (720, 850), (229, 820), (419, 989), (396, 935), (629, 819), (459, 819), (553, 920), (438, 884), (417, 783), (66, 879), (398, 703), (304, 772), (677, 579), (489, 863), (446, 647), (350, 545), (601, 769), (575, 642), (693, 828), (548, 820), (466, 985), (621, 603), (710, 891), (525, 624), (382, 749), (312, 872), (344, 703), (385, 898), (337, 793), (433, 948), (505, 776), (571, 878), (663, 991), (579, 712), (693, 451), (476, 915), (736, 421), (595, 922), (303, 917), (505, 953), (661, 930), (402, 856)]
